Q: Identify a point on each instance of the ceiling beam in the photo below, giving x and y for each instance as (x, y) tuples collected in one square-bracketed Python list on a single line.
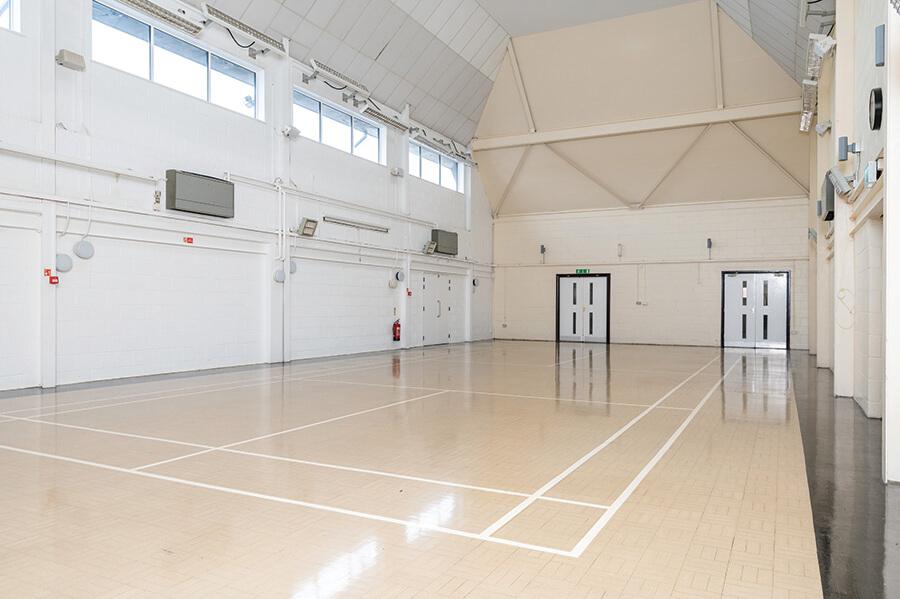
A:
[(514, 61), (674, 166), (661, 123), (512, 180), (771, 158), (588, 175), (717, 53)]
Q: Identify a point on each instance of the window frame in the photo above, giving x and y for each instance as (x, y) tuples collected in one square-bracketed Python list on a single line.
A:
[(354, 117), (154, 25), (461, 173), (15, 17)]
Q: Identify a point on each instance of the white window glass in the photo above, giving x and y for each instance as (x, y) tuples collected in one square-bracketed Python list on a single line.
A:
[(232, 86), (431, 165), (306, 116), (180, 65), (414, 168), (120, 41), (365, 140), (336, 128), (6, 14), (449, 173)]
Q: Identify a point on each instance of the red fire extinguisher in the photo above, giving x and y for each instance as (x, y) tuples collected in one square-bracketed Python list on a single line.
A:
[(397, 330)]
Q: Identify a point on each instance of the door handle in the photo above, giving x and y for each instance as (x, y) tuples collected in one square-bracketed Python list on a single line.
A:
[(439, 308)]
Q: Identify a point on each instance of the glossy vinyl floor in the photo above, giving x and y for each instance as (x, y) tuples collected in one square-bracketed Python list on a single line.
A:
[(495, 469)]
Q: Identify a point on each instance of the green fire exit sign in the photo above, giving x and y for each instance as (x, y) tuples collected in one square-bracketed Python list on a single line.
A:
[(582, 271)]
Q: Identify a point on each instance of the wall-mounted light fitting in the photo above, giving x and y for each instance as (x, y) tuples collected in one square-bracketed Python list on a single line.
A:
[(336, 77), (70, 60), (619, 250), (63, 262), (84, 249), (307, 227), (823, 127), (844, 148), (429, 248), (290, 132), (839, 181)]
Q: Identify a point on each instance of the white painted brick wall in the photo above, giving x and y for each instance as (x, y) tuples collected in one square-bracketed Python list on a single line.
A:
[(868, 313), (143, 307), (664, 263)]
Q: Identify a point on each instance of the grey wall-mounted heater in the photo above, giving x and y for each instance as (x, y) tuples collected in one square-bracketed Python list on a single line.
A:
[(190, 192), (447, 242)]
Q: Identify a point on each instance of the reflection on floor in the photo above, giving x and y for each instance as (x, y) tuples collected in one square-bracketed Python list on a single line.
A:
[(857, 518), (496, 469)]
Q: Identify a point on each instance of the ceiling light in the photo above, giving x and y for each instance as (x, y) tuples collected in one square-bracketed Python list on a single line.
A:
[(377, 115), (228, 21), (335, 77), (307, 227), (173, 19), (805, 120)]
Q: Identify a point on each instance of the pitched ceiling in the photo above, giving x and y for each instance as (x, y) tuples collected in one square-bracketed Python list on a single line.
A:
[(440, 56), (773, 24), (656, 65)]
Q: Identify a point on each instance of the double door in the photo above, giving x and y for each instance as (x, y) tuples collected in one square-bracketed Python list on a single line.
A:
[(756, 310), (583, 308)]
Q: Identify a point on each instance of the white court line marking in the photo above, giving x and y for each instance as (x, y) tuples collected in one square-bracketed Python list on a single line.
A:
[(406, 477), (113, 398), (315, 506), (598, 526), (108, 432), (211, 448), (298, 428), (471, 392), (291, 430), (537, 494)]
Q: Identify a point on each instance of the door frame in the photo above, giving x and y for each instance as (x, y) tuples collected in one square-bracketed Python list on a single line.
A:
[(787, 333), (559, 278)]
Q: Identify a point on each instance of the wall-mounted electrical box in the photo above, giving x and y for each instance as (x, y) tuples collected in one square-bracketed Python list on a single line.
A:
[(447, 242), (200, 194)]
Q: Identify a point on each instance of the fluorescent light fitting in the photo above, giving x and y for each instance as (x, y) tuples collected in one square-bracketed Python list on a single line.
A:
[(337, 77), (429, 248), (810, 95), (805, 120), (307, 227), (346, 222), (377, 115), (173, 19), (813, 60), (228, 21)]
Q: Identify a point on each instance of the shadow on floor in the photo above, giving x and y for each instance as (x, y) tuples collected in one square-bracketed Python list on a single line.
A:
[(859, 548)]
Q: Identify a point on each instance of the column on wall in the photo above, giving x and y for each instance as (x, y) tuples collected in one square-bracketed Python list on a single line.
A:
[(843, 94), (891, 254)]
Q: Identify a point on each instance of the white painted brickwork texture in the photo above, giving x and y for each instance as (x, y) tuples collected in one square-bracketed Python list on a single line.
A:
[(868, 311), (149, 303), (664, 263)]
